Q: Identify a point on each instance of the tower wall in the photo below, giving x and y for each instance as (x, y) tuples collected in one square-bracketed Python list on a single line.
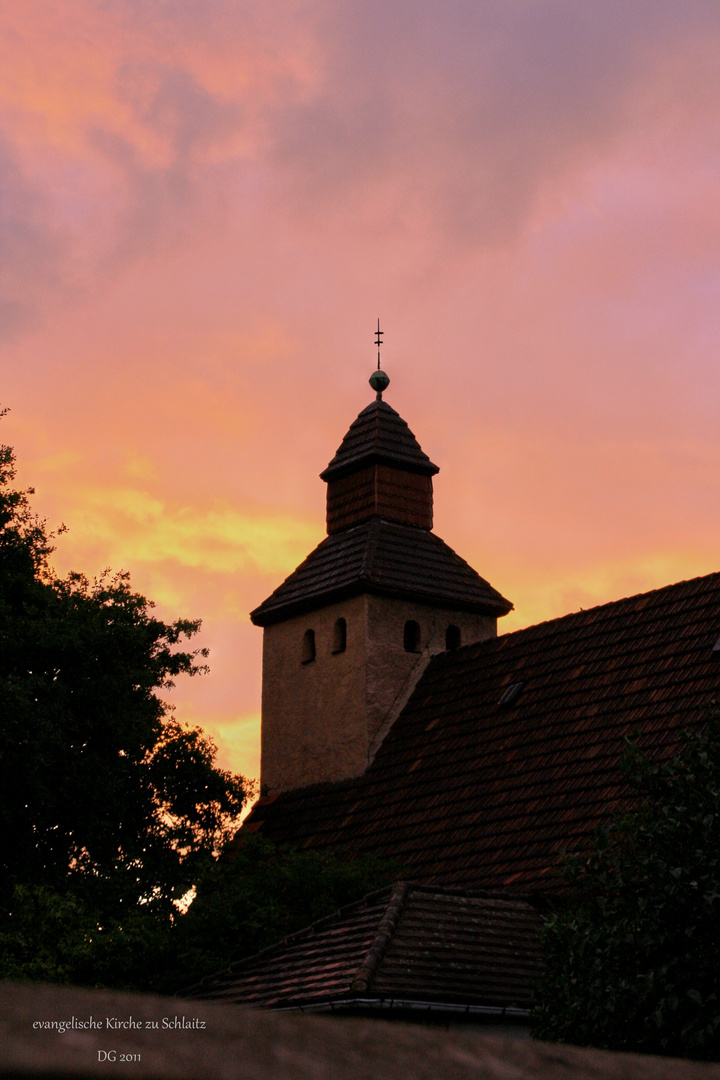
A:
[(313, 713), (323, 718)]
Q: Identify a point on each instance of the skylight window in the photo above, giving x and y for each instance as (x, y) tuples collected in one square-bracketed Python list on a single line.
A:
[(511, 694)]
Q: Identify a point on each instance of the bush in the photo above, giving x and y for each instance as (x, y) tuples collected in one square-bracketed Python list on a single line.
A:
[(633, 959)]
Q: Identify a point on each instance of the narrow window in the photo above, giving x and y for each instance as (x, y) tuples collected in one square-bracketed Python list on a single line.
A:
[(452, 638), (339, 641), (308, 646), (411, 637)]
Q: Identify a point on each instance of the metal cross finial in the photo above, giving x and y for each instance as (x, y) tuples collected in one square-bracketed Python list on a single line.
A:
[(379, 380)]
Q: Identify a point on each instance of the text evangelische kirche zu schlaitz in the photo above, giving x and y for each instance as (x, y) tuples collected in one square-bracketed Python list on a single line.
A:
[(116, 1023)]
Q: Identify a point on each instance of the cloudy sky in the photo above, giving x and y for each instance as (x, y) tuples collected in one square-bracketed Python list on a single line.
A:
[(206, 204)]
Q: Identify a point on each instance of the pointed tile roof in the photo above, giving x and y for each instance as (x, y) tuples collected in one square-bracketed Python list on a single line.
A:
[(407, 945), (387, 559), (379, 435)]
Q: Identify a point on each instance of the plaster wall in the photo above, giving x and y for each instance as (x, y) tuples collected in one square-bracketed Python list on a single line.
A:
[(324, 720), (313, 714)]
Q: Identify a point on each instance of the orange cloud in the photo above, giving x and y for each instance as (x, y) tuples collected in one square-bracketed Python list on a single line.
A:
[(218, 539)]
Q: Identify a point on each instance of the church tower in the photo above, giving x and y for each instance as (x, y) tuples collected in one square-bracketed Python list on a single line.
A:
[(348, 634)]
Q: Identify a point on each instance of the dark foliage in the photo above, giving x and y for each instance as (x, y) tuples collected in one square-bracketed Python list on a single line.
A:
[(110, 808), (246, 900), (633, 963)]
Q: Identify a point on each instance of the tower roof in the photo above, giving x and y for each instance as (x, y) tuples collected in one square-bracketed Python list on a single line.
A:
[(387, 559), (379, 435)]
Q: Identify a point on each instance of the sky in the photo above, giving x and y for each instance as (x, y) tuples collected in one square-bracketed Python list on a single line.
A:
[(205, 205)]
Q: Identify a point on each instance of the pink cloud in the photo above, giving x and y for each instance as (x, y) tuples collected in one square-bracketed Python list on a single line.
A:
[(206, 207)]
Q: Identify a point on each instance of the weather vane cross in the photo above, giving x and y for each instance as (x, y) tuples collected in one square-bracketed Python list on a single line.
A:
[(379, 380)]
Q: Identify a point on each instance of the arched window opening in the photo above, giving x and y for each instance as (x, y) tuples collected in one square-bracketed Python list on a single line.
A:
[(339, 641), (411, 636), (308, 646), (452, 638)]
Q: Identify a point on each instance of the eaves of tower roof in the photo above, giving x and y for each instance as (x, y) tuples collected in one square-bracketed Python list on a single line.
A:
[(481, 786), (383, 558), (409, 945), (379, 435)]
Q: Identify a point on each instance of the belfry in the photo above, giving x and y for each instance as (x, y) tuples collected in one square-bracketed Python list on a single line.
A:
[(348, 634)]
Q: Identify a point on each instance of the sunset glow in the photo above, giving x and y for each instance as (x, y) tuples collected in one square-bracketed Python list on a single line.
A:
[(207, 204)]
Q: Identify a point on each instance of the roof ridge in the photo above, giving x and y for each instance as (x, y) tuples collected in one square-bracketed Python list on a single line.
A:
[(371, 544), (472, 894), (383, 937), (496, 644), (501, 638)]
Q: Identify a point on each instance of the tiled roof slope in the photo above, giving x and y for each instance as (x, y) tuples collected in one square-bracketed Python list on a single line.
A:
[(381, 557), (317, 964), (466, 792), (379, 434), (408, 944)]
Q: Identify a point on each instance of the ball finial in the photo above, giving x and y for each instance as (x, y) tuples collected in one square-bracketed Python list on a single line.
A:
[(379, 382)]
